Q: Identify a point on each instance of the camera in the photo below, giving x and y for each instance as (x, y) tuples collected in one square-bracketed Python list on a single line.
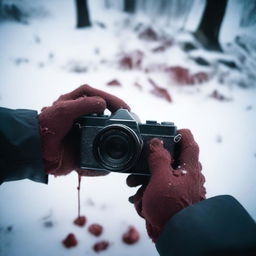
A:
[(118, 143)]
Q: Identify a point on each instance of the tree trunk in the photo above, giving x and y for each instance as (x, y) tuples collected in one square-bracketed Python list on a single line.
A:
[(129, 6), (209, 28), (83, 19), (1, 9)]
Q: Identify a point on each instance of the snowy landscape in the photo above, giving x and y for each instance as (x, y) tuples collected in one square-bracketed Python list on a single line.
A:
[(146, 63)]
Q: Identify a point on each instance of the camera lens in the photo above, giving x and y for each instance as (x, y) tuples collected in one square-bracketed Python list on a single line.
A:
[(117, 148)]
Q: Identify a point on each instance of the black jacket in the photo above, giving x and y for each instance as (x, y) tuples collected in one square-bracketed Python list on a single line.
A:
[(20, 150), (216, 226)]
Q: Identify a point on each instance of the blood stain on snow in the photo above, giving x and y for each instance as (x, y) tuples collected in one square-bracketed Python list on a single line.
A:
[(114, 82), (70, 241), (95, 229), (180, 75), (80, 221), (160, 91), (132, 236), (131, 59), (100, 246), (184, 77)]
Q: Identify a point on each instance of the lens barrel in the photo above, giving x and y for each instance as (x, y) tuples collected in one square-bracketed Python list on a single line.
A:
[(117, 148)]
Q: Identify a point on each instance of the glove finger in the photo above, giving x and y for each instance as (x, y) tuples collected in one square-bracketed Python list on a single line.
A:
[(188, 151), (159, 159), (137, 200), (72, 109), (63, 116), (113, 102), (136, 180)]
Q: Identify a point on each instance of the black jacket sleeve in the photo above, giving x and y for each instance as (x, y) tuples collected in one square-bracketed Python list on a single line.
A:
[(20, 149), (216, 226)]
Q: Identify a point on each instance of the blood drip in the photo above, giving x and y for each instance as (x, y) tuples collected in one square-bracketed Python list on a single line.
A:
[(80, 220), (101, 246), (132, 236), (95, 229), (70, 241)]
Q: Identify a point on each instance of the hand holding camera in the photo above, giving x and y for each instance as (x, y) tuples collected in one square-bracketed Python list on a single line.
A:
[(59, 145), (174, 183)]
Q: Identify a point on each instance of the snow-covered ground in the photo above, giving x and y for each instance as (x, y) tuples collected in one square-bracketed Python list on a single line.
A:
[(37, 65)]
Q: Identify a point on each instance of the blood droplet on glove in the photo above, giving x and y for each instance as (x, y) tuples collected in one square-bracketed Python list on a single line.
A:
[(70, 241), (101, 246), (132, 236), (95, 229)]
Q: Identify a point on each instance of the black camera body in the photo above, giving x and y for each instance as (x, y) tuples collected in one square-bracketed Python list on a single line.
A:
[(118, 143)]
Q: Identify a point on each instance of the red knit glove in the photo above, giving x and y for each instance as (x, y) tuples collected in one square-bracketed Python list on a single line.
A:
[(174, 183), (58, 142)]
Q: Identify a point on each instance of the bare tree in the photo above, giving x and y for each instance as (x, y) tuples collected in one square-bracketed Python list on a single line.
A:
[(83, 19), (129, 6), (209, 27)]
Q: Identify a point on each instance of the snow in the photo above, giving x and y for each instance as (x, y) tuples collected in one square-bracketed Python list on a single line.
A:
[(229, 166)]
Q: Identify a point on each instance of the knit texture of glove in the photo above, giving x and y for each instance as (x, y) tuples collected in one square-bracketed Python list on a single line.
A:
[(59, 144), (174, 184)]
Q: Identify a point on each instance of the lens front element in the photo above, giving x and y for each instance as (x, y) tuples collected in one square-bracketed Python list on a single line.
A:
[(117, 147)]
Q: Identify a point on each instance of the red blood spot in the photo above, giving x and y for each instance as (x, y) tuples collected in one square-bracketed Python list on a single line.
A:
[(131, 60), (95, 229), (114, 82), (159, 91), (148, 34), (218, 96), (182, 76), (179, 74), (126, 62), (80, 221), (70, 241), (200, 77), (100, 246), (132, 236)]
